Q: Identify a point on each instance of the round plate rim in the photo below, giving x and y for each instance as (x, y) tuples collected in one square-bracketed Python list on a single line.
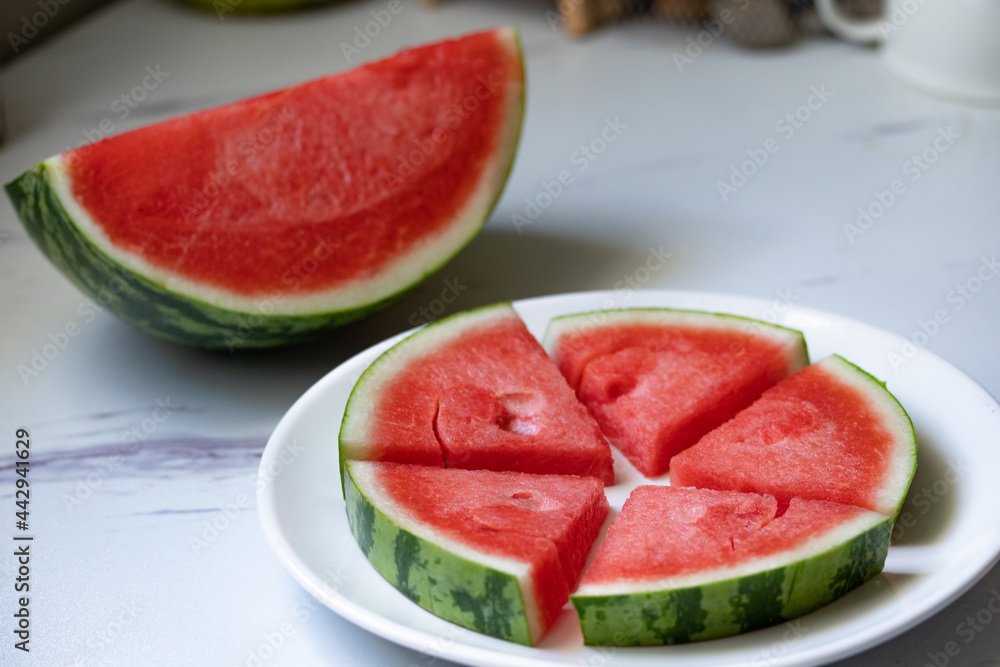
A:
[(268, 508)]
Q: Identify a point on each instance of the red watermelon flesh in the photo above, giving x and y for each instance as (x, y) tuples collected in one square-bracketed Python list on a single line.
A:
[(657, 381), (476, 391), (515, 430), (494, 511), (550, 521), (664, 532), (829, 432), (681, 565), (321, 170)]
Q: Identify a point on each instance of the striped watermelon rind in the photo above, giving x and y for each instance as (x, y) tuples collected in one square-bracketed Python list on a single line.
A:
[(707, 605), (755, 595), (793, 339), (144, 303), (482, 592), (202, 316)]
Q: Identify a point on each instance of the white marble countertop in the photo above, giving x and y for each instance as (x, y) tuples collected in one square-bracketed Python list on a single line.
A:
[(138, 444)]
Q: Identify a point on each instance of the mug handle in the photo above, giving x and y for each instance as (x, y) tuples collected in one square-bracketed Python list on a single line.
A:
[(866, 32)]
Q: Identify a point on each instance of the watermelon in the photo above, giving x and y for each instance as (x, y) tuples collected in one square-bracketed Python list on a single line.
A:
[(270, 220), (473, 391), (496, 552), (783, 508), (830, 432), (682, 565), (657, 380)]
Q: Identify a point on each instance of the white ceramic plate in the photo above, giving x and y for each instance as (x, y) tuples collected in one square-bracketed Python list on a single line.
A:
[(952, 537)]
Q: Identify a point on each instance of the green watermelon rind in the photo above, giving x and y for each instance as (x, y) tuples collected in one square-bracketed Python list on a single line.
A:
[(186, 319), (387, 365), (657, 616), (892, 410), (597, 319), (144, 303), (471, 594)]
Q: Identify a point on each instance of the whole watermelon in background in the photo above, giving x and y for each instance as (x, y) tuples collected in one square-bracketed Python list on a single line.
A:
[(273, 219)]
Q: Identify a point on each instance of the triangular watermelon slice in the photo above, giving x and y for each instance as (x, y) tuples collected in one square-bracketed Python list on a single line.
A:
[(474, 391), (272, 219), (657, 380), (829, 432), (683, 565), (491, 551)]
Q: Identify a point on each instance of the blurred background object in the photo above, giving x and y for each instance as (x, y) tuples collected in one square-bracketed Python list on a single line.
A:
[(682, 11), (750, 23), (759, 23), (2, 132), (223, 7), (942, 47), (25, 23)]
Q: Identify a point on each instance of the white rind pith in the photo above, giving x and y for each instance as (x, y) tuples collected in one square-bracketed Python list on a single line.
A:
[(900, 468), (363, 475), (354, 433), (392, 278), (791, 340), (814, 547)]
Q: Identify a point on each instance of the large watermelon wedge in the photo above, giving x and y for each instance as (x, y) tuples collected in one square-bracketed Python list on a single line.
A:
[(829, 432), (657, 380), (491, 551), (270, 220), (682, 565), (474, 391)]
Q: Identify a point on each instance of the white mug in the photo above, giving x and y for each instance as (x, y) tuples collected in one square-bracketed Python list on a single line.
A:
[(949, 48)]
